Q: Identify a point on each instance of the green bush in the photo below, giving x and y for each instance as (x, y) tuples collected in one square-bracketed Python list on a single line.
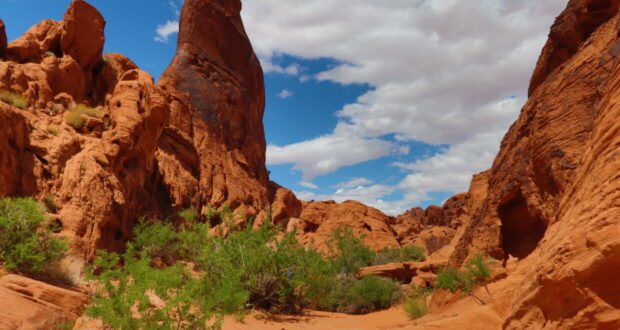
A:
[(353, 296), (347, 252), (476, 273), (126, 297), (27, 243), (399, 254), (74, 116), (240, 268), (17, 100), (415, 307), (53, 129)]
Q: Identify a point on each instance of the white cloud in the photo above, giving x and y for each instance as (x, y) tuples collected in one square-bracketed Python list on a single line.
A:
[(175, 8), (353, 183), (451, 72), (164, 31), (308, 184), (268, 67), (328, 153), (285, 93)]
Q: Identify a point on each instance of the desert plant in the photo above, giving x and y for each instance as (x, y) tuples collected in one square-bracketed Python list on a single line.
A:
[(74, 116), (359, 296), (415, 307), (17, 100), (347, 252), (27, 243), (240, 267), (49, 54), (476, 272), (53, 129), (399, 254), (125, 295), (50, 203)]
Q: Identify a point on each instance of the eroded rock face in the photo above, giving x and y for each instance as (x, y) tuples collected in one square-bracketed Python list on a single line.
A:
[(552, 201), (319, 219), (216, 111), (3, 41), (30, 304), (82, 34)]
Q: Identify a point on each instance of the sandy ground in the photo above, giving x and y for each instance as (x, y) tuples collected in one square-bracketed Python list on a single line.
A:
[(393, 318)]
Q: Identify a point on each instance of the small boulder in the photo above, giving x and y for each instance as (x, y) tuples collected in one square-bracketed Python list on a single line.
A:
[(82, 34)]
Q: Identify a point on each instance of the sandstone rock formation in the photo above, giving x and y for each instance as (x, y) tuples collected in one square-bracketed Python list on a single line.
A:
[(215, 140), (30, 304), (155, 149), (319, 219), (3, 42), (548, 210)]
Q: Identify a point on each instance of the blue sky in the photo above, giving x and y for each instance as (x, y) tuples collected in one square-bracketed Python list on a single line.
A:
[(392, 103)]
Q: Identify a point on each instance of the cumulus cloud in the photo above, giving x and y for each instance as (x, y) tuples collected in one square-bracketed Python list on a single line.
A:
[(269, 67), (353, 183), (328, 153), (285, 93), (308, 184), (444, 72), (164, 31)]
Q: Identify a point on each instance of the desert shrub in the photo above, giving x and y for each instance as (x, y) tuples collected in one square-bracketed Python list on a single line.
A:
[(158, 240), (27, 243), (477, 268), (49, 54), (53, 129), (476, 272), (278, 274), (399, 254), (241, 267), (359, 296), (415, 307), (17, 100), (74, 116), (140, 296), (347, 252), (50, 203)]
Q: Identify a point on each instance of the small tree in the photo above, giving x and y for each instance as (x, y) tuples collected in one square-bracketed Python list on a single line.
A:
[(27, 243), (347, 252), (476, 272)]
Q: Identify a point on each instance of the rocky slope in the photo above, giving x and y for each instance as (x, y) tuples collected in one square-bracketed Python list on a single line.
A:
[(548, 210)]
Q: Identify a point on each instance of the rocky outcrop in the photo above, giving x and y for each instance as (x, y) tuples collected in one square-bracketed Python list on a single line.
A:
[(402, 271), (319, 219), (30, 304), (213, 149), (552, 206), (3, 41)]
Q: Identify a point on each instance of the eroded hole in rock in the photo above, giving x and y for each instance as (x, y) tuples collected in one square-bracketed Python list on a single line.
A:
[(118, 235), (521, 231), (56, 226), (598, 5), (310, 227)]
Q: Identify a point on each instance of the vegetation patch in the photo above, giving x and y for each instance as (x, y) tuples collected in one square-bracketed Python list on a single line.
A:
[(14, 99), (415, 307), (400, 254), (53, 129), (178, 275), (353, 296), (74, 116), (27, 244)]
